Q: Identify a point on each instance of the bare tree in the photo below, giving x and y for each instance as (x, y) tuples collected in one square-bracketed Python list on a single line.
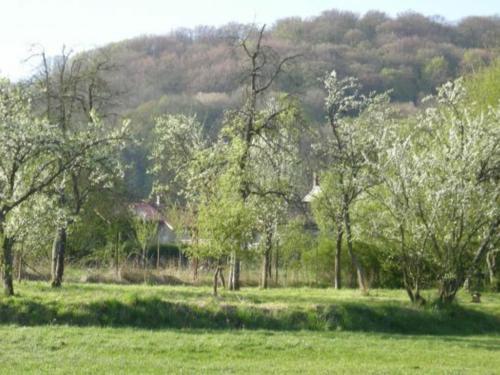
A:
[(265, 66)]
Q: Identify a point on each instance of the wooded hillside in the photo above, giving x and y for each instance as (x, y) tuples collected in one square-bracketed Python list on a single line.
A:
[(199, 71)]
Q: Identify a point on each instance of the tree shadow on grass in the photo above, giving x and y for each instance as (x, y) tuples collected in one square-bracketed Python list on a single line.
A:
[(155, 313), (387, 318)]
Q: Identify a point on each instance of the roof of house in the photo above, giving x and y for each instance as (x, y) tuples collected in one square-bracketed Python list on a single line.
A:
[(149, 212)]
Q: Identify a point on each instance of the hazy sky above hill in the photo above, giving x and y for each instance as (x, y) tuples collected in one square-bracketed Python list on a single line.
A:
[(84, 24)]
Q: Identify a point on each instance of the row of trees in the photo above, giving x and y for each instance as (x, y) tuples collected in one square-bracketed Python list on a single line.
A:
[(238, 185), (417, 191), (424, 188)]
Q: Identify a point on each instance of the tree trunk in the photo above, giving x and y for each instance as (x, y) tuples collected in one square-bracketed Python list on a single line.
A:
[(117, 253), (144, 255), (19, 263), (270, 266), (234, 277), (265, 269), (179, 261), (158, 250), (8, 244), (359, 269), (276, 265), (415, 296), (221, 277), (491, 261), (338, 250), (216, 280), (448, 290), (266, 259), (58, 250), (413, 290), (195, 269)]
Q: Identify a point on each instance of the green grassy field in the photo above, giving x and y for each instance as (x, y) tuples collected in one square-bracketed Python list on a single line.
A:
[(96, 328)]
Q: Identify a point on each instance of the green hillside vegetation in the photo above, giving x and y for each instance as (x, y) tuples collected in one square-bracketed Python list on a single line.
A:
[(483, 86)]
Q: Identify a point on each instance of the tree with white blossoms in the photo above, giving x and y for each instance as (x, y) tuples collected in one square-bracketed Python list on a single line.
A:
[(30, 162), (180, 163), (395, 222), (441, 190), (29, 226), (344, 149), (73, 94), (461, 209), (176, 143), (95, 170)]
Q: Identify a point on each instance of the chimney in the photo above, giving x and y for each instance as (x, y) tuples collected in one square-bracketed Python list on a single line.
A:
[(315, 179)]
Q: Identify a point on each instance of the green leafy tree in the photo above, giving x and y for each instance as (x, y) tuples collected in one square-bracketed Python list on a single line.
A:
[(225, 222), (245, 126), (145, 229), (435, 72)]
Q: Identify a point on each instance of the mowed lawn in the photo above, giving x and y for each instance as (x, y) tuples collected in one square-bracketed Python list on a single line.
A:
[(112, 329)]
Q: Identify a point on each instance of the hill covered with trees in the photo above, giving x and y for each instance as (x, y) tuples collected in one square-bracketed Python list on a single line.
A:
[(200, 71), (410, 55)]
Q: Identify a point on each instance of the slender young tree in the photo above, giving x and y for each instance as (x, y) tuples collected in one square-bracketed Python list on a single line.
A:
[(399, 194), (145, 231), (225, 221), (344, 148)]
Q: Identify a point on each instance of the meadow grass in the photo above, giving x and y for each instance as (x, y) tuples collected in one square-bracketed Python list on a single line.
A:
[(105, 328)]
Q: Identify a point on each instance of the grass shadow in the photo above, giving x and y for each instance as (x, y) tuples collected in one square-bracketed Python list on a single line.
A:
[(155, 313), (390, 318)]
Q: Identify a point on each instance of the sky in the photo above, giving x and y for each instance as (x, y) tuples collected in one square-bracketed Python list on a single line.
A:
[(82, 24)]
